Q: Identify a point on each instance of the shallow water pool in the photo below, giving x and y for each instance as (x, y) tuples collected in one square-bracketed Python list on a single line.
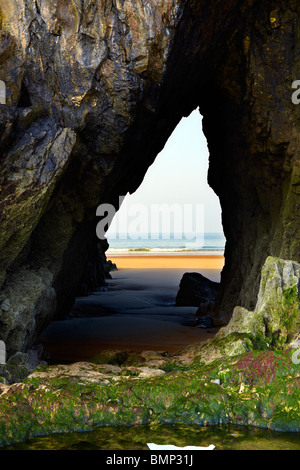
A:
[(135, 438)]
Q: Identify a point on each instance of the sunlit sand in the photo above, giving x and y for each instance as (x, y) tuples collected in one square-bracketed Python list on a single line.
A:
[(178, 261)]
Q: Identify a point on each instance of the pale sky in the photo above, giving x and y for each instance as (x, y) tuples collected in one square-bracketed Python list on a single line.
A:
[(177, 176)]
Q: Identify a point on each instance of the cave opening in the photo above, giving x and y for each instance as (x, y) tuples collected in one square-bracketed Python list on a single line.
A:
[(166, 254), (174, 199)]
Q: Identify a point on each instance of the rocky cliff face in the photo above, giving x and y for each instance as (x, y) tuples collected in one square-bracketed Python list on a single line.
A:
[(252, 128), (94, 89)]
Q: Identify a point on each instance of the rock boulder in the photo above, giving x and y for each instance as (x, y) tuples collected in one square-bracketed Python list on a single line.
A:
[(196, 289)]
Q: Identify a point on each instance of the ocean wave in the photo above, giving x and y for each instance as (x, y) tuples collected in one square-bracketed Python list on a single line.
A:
[(163, 250)]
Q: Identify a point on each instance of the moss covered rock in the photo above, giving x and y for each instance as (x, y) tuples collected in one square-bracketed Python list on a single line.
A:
[(274, 324), (255, 388), (118, 357), (10, 373), (278, 304)]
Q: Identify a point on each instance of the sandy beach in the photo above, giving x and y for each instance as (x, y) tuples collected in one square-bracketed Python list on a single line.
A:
[(178, 261), (137, 311)]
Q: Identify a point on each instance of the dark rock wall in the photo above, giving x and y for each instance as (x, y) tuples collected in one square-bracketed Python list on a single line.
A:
[(94, 90), (252, 128)]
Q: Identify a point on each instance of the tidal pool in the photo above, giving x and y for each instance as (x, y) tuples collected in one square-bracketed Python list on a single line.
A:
[(227, 437)]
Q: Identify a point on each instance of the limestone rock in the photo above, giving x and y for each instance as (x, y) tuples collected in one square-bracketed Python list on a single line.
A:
[(83, 372), (87, 372)]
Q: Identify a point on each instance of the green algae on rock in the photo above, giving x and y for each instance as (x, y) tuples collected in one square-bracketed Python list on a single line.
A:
[(256, 388), (274, 323), (10, 374), (241, 376)]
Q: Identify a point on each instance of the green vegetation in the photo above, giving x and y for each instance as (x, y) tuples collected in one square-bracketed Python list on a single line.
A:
[(245, 375), (255, 388), (118, 358)]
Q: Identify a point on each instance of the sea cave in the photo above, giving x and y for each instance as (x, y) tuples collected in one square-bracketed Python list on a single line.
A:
[(93, 91)]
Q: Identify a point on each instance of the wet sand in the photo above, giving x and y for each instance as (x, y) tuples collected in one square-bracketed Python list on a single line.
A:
[(137, 312)]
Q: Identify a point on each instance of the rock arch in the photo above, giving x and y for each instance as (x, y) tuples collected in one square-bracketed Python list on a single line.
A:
[(105, 87)]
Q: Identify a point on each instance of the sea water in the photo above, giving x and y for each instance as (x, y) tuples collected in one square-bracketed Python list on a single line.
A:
[(226, 437), (163, 243)]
